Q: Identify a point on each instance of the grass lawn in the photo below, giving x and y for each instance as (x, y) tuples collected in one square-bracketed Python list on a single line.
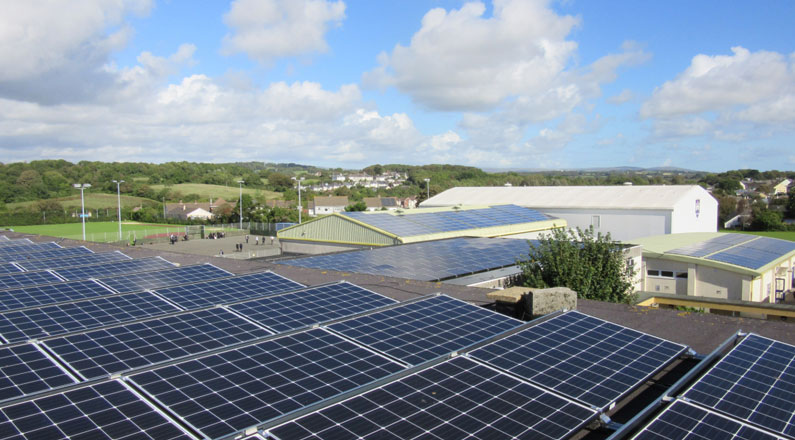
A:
[(784, 235), (228, 193), (93, 201), (101, 231)]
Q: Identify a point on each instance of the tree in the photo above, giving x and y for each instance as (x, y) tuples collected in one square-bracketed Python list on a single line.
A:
[(591, 264), (790, 207), (766, 220), (358, 206)]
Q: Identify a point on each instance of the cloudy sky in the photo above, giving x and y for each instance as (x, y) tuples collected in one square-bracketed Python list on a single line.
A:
[(705, 85)]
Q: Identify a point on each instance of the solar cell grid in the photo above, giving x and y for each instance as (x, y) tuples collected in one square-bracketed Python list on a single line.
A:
[(9, 268), (228, 290), (397, 225), (43, 254), (103, 411), (755, 382), (684, 421), (459, 398), (25, 370), (584, 358), (750, 258), (28, 248), (113, 350), (426, 329), (110, 269), (311, 306), (161, 278), (80, 260), (32, 296), (526, 214), (224, 393), (773, 245), (14, 280), (41, 322)]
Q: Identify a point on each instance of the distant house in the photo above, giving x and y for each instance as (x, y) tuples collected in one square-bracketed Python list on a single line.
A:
[(193, 211), (379, 203), (782, 187), (407, 202), (327, 205)]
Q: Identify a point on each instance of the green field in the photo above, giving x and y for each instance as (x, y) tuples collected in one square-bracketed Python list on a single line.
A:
[(93, 201), (228, 193), (102, 232), (784, 235)]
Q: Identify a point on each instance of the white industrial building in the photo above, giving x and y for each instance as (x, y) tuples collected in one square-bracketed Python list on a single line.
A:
[(625, 211)]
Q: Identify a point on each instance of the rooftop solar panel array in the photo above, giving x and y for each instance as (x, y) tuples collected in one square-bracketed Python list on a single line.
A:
[(9, 268), (754, 382), (106, 410), (228, 290), (22, 325), (25, 370), (435, 222), (311, 306), (426, 329), (682, 420), (226, 392), (582, 357), (426, 261), (51, 252), (32, 296), (161, 278), (79, 260), (110, 269), (14, 280), (756, 253), (113, 350), (459, 398), (717, 244), (27, 248)]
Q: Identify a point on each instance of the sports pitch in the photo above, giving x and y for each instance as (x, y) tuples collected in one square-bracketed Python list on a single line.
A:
[(103, 232)]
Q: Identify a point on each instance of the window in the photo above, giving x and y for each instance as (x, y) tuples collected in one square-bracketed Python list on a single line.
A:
[(666, 273), (596, 221), (653, 273), (682, 275)]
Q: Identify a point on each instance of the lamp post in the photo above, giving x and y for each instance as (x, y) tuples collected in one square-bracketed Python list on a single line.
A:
[(118, 196), (428, 187), (82, 187), (300, 207), (241, 182)]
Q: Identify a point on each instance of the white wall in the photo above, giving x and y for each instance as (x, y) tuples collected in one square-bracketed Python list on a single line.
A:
[(622, 224), (684, 218)]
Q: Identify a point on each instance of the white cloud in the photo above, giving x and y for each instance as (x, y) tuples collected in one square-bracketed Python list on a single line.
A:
[(56, 52), (726, 96), (625, 96), (267, 29)]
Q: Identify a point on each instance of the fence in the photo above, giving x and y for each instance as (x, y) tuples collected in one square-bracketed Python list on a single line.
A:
[(162, 234)]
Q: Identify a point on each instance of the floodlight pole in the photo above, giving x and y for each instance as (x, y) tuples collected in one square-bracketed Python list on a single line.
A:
[(428, 187), (300, 207), (81, 187), (118, 195), (241, 182)]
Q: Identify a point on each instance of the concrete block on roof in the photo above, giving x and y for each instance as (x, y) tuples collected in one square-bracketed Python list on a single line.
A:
[(540, 302)]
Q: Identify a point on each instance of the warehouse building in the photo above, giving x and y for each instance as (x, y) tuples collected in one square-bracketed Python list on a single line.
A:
[(735, 267), (357, 230), (625, 211)]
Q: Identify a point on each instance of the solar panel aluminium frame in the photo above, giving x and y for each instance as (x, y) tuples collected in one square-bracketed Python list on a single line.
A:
[(38, 295), (35, 372), (6, 279)]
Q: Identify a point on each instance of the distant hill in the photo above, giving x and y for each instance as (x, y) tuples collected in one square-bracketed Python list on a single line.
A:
[(624, 169)]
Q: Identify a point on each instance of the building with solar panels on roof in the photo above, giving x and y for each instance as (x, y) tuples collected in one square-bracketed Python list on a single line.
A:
[(736, 267), (357, 230)]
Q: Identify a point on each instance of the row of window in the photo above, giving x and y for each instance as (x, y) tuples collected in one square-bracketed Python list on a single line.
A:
[(666, 273)]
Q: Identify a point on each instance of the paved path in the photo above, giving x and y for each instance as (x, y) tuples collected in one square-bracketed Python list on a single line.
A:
[(227, 245)]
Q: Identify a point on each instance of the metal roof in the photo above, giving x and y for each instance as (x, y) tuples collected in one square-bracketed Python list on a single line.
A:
[(570, 197)]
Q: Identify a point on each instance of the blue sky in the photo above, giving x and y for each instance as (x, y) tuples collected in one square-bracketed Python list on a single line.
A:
[(517, 84)]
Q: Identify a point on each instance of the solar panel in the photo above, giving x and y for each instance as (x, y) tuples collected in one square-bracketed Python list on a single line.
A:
[(106, 410), (755, 382), (712, 245), (25, 370), (394, 224), (161, 278), (426, 261), (756, 253), (113, 350), (43, 254), (682, 420), (227, 290), (110, 269), (41, 322), (582, 357), (13, 280), (230, 391), (290, 311), (9, 268), (459, 398), (28, 248), (32, 296), (80, 260), (426, 329)]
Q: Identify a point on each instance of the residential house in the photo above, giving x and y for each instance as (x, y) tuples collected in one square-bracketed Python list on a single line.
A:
[(323, 205)]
